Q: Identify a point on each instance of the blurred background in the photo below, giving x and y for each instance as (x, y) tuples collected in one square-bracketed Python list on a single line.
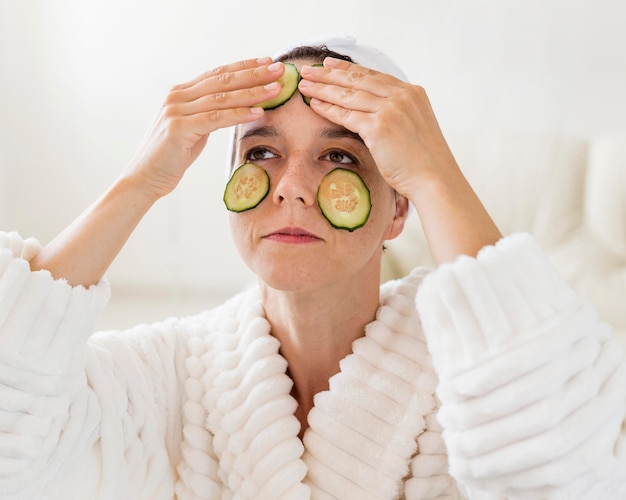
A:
[(81, 80)]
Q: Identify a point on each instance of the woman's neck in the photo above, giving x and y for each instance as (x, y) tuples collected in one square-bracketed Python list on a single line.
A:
[(316, 330)]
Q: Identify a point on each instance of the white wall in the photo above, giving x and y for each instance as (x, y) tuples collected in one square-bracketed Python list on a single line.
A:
[(82, 79)]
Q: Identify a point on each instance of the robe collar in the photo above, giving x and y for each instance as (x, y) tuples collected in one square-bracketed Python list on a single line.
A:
[(240, 429)]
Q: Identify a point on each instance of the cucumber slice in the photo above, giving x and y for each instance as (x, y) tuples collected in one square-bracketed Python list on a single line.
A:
[(289, 83), (247, 187), (306, 99), (344, 199)]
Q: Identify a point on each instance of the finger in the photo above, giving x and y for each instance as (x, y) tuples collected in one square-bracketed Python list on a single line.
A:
[(236, 66), (189, 128), (224, 100), (350, 75), (236, 78), (346, 97), (210, 121), (351, 119)]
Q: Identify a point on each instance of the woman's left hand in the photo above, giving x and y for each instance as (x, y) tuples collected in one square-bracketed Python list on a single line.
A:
[(394, 119), (397, 124)]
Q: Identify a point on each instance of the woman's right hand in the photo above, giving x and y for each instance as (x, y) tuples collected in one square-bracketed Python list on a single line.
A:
[(222, 97)]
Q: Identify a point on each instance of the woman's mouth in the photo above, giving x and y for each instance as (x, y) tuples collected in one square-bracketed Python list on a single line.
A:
[(292, 235)]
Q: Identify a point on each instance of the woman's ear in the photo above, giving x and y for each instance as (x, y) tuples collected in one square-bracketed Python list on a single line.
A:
[(401, 214)]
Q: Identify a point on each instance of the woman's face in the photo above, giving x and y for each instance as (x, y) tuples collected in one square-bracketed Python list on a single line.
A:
[(285, 239)]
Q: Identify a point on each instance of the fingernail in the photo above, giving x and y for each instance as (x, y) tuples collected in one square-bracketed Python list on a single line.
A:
[(272, 86), (255, 110), (306, 70), (305, 83), (275, 66), (264, 60)]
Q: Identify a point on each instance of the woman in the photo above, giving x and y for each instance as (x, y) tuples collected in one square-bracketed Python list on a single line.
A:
[(318, 383)]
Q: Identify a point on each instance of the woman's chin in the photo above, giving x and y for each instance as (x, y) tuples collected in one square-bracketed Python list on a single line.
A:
[(292, 278)]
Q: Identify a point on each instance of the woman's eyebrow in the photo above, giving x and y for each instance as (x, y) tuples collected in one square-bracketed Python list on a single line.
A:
[(263, 131), (340, 133), (326, 133)]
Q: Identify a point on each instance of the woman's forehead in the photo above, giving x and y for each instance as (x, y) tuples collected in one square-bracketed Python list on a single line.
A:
[(329, 131)]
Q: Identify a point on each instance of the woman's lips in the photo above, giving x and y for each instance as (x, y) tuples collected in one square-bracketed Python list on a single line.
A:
[(292, 235)]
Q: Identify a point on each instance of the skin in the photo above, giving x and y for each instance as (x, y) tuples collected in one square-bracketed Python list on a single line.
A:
[(303, 264)]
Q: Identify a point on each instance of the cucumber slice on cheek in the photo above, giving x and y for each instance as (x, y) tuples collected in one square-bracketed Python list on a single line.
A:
[(289, 83), (247, 187), (344, 199)]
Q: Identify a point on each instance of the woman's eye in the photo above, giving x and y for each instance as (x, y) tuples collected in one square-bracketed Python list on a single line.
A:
[(339, 157), (259, 154)]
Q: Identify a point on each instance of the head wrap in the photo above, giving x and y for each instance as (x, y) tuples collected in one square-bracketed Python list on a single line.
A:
[(363, 55)]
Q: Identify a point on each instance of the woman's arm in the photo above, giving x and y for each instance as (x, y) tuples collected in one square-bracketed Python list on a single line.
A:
[(220, 98)]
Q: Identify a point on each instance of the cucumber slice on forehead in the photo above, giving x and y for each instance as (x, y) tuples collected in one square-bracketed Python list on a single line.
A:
[(344, 199), (247, 187), (289, 83)]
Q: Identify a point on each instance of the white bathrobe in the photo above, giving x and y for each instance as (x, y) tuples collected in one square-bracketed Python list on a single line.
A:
[(532, 388)]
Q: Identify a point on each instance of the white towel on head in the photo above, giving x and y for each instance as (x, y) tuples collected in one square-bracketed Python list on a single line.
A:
[(364, 55)]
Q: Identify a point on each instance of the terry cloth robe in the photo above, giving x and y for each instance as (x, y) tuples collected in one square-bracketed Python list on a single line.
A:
[(533, 392)]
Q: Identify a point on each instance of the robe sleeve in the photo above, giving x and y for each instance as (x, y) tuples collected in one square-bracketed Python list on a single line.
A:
[(78, 413), (532, 382)]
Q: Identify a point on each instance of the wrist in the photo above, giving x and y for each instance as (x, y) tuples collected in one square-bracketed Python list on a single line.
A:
[(433, 189), (135, 190), (454, 219)]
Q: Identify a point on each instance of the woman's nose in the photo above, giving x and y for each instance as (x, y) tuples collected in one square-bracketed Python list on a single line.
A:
[(295, 183)]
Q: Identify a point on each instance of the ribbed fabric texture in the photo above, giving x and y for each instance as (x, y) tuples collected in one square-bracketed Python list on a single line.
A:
[(533, 386), (45, 413), (240, 433)]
